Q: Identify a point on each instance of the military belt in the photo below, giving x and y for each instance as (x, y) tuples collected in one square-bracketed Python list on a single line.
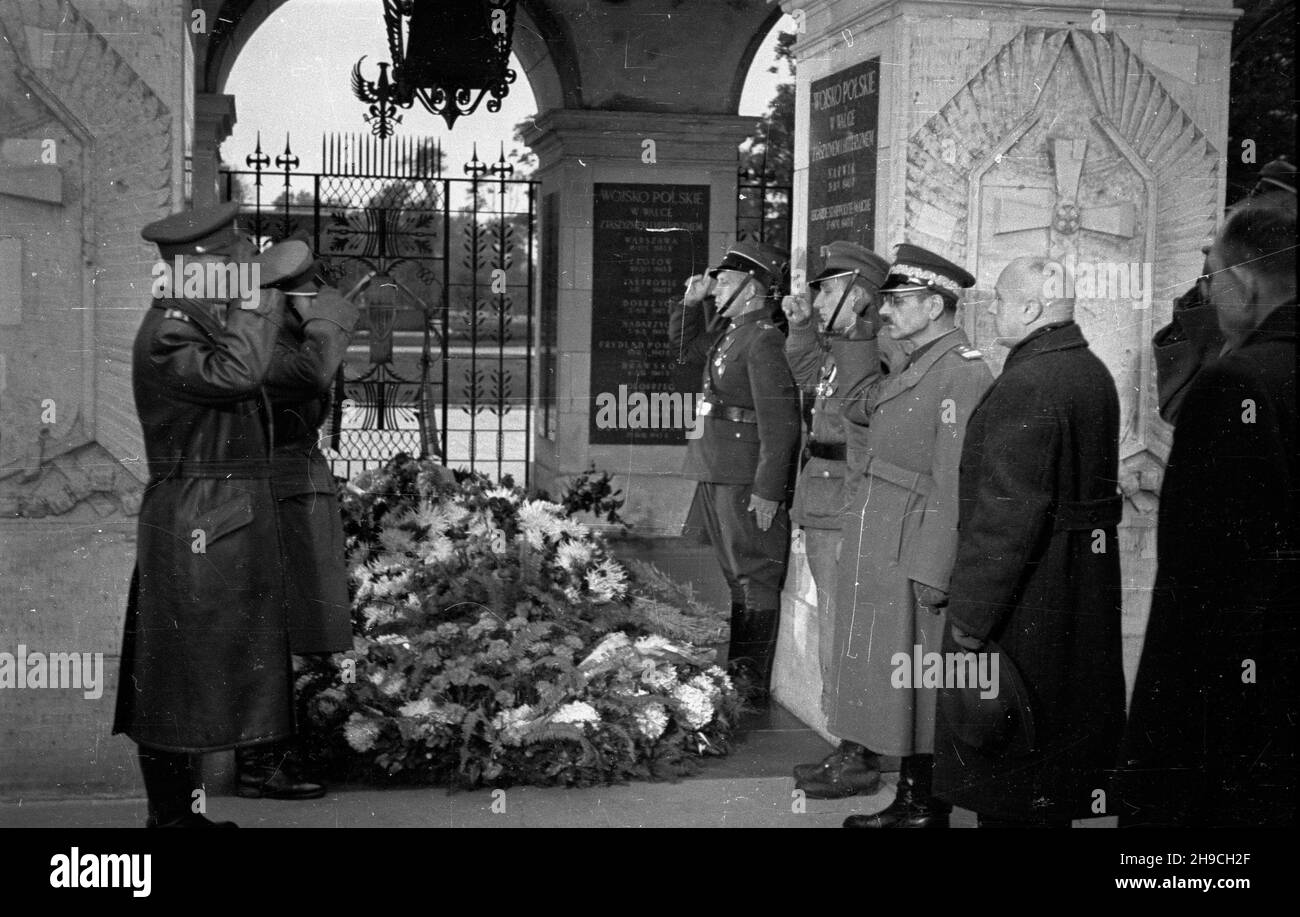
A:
[(1088, 514), (914, 481), (834, 452), (727, 412)]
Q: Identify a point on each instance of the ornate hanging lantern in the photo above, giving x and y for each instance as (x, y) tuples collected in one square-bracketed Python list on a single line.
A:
[(448, 54)]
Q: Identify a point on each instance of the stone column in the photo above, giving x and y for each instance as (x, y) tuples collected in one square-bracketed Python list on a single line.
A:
[(1091, 136), (214, 119), (576, 150)]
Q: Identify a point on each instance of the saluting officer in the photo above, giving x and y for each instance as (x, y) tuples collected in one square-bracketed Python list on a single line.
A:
[(308, 353), (745, 455), (205, 657), (828, 353), (900, 530)]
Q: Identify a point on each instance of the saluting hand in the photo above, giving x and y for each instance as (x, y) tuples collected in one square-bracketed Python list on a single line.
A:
[(698, 287), (764, 511), (797, 308)]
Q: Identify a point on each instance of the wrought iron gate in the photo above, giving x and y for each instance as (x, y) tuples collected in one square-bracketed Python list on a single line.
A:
[(443, 267)]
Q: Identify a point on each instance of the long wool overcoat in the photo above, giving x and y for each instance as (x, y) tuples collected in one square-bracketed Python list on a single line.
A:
[(905, 435), (1037, 571), (205, 657)]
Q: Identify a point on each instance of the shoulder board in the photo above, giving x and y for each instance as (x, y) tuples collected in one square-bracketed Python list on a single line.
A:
[(176, 314), (766, 325), (969, 353)]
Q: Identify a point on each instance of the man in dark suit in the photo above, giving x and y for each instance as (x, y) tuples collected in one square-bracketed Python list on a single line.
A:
[(1037, 569), (745, 455), (1211, 738)]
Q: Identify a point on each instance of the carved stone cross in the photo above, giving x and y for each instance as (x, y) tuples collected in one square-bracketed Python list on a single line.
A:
[(1059, 211)]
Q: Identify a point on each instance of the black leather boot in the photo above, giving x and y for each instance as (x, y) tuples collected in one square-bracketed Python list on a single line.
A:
[(752, 648), (913, 806), (849, 770), (169, 784), (268, 772)]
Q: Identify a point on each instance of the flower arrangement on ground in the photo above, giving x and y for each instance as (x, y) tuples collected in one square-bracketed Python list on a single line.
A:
[(498, 641)]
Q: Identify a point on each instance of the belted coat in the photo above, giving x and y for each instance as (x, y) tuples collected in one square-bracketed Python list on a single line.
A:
[(307, 356), (905, 433), (1037, 570), (205, 657)]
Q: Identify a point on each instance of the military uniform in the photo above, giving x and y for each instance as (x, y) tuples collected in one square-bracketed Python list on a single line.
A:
[(825, 365), (901, 528), (205, 658), (308, 353), (749, 435)]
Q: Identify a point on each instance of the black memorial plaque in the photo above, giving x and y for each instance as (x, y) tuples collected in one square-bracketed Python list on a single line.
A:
[(648, 240), (842, 145)]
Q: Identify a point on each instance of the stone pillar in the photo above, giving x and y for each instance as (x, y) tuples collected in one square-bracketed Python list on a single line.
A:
[(214, 119), (1094, 137), (576, 150)]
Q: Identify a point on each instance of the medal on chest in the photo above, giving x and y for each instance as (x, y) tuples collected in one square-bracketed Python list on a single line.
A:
[(720, 358), (826, 384)]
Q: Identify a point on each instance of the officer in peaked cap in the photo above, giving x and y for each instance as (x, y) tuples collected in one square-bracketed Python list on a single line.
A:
[(744, 457), (827, 351), (308, 353), (905, 432), (205, 662)]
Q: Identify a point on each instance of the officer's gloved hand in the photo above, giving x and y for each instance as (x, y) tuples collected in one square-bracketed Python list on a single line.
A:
[(797, 308), (328, 305), (698, 288), (764, 511), (930, 597)]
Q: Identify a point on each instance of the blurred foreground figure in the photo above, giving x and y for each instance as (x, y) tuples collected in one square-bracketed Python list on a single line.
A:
[(1211, 736)]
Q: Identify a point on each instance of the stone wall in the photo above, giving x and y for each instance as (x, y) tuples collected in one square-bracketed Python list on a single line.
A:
[(92, 100)]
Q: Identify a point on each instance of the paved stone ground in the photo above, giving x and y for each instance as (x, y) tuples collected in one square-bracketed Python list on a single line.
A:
[(751, 788)]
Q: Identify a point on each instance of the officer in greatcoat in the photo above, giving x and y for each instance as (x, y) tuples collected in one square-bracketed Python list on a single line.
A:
[(1037, 572), (827, 352), (900, 529), (744, 457), (308, 352), (205, 657)]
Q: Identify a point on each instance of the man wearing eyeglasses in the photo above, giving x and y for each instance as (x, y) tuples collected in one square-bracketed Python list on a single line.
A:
[(900, 529), (1211, 738)]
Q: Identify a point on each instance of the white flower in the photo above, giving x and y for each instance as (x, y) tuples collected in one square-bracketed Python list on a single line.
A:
[(501, 493), (660, 678), (361, 733), (439, 549), (377, 615), (573, 554), (389, 639), (439, 517), (708, 686), (605, 649), (576, 712), (417, 708), (695, 706), (393, 686), (654, 645), (573, 528), (719, 675), (513, 724), (607, 581), (539, 521), (651, 721)]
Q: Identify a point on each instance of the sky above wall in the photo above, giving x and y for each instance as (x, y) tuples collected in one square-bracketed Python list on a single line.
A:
[(294, 76)]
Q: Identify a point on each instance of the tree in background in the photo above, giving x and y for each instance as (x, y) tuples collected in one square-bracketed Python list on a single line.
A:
[(1262, 104)]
